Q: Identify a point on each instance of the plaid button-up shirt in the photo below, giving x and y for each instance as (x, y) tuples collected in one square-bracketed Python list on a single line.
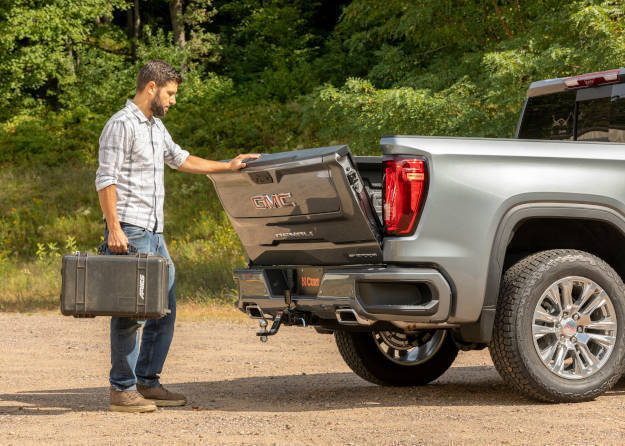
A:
[(132, 154)]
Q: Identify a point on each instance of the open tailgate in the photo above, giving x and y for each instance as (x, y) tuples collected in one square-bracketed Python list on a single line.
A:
[(305, 207)]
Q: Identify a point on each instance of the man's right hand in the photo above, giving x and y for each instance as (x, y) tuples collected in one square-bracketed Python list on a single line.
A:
[(117, 240)]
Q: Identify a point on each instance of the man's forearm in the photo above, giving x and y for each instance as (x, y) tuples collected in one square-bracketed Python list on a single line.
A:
[(108, 203), (194, 164)]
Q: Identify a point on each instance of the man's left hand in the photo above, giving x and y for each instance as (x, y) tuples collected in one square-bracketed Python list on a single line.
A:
[(240, 161)]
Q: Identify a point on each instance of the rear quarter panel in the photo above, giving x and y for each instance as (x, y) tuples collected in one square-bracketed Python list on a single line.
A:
[(473, 182)]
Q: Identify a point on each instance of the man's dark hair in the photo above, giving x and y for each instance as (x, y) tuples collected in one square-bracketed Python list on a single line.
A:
[(158, 71)]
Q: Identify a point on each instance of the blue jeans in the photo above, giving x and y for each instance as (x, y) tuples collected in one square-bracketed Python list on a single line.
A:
[(134, 358)]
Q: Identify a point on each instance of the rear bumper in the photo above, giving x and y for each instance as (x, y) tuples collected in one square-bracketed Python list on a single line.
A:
[(409, 297)]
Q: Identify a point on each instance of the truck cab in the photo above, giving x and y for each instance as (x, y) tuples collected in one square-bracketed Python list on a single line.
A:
[(588, 107)]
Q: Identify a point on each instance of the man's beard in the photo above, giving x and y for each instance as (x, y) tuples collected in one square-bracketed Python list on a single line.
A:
[(156, 107)]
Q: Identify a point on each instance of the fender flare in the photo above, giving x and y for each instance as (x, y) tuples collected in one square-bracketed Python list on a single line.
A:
[(518, 214), (513, 218)]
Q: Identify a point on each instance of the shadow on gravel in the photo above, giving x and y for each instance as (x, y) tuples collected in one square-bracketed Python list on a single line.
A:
[(54, 402), (460, 386)]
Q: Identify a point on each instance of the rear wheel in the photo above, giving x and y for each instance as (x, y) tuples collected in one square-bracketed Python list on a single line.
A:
[(558, 333), (397, 359)]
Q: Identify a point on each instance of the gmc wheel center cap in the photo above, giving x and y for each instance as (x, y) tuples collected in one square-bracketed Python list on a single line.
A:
[(568, 327)]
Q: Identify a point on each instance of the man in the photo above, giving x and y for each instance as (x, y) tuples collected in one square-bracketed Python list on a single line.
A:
[(134, 146)]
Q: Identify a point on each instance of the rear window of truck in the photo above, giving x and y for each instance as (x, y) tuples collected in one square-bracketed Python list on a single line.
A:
[(593, 114), (550, 116)]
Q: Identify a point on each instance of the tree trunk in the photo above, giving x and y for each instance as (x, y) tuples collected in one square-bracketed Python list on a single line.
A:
[(136, 26), (175, 10), (502, 20), (129, 16)]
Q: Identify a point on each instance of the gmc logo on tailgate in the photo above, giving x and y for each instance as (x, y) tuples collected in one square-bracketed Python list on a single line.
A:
[(272, 201)]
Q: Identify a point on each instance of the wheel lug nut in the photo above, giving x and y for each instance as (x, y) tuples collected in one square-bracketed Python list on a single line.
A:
[(573, 339), (580, 329), (576, 316)]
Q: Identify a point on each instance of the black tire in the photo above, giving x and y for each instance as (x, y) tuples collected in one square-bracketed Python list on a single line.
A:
[(512, 346), (361, 354)]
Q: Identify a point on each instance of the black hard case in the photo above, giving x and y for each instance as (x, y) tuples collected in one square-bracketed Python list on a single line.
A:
[(134, 286)]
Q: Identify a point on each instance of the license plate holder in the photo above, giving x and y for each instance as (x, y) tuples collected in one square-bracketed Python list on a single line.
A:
[(308, 281)]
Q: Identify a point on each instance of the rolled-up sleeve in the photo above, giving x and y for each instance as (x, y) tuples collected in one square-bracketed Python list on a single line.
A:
[(114, 144), (174, 155)]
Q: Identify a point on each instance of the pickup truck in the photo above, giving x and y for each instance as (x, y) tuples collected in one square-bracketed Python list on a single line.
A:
[(445, 244)]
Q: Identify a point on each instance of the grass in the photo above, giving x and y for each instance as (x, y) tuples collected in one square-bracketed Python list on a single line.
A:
[(34, 287), (29, 286), (47, 212), (212, 310)]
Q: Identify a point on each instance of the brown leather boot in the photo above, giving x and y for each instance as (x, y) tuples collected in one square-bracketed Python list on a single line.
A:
[(161, 396), (129, 401)]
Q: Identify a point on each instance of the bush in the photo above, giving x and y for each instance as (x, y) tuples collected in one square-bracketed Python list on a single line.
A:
[(359, 114)]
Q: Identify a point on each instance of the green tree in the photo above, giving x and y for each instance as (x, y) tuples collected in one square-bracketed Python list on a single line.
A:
[(41, 44), (481, 55), (270, 46)]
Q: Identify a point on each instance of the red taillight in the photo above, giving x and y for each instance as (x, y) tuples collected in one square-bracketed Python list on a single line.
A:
[(592, 79), (404, 182)]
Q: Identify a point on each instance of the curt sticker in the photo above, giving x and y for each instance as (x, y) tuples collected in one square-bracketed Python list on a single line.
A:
[(309, 280)]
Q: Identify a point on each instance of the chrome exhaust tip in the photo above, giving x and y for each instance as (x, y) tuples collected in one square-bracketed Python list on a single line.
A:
[(348, 316), (255, 312)]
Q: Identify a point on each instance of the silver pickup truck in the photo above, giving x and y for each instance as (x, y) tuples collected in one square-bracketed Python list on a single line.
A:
[(444, 244)]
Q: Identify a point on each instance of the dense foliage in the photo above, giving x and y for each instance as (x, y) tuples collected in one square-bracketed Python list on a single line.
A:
[(261, 75)]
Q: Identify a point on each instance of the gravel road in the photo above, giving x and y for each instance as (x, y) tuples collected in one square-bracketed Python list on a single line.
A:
[(295, 389)]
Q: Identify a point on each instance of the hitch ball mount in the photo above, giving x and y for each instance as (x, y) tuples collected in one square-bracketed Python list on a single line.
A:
[(287, 317), (284, 317)]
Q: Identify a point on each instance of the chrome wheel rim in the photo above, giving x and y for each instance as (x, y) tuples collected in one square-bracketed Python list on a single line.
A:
[(409, 349), (574, 327)]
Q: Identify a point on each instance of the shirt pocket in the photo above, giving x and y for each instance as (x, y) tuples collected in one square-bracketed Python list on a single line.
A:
[(142, 149)]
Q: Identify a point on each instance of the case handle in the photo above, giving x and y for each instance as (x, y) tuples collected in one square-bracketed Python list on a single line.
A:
[(131, 250)]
